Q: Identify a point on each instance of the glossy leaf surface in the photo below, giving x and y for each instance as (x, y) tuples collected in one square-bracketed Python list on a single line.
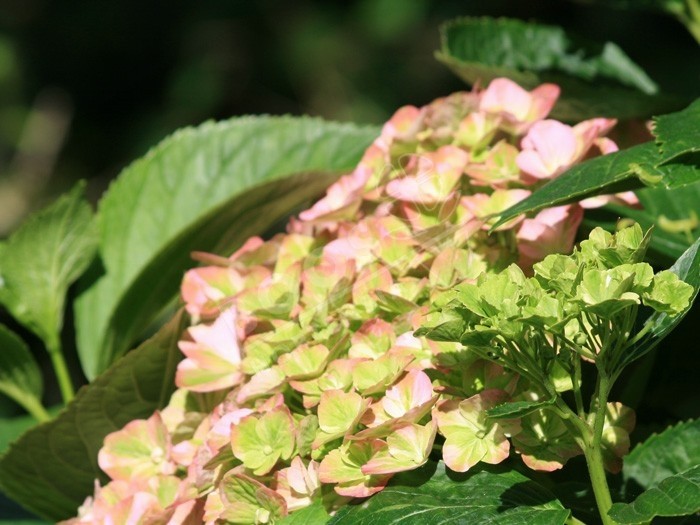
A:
[(207, 189), (433, 494), (43, 258)]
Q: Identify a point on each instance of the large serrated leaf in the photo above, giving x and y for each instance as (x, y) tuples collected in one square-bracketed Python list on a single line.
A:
[(20, 377), (42, 259), (674, 450), (606, 174), (596, 79), (677, 495), (207, 189), (432, 494), (51, 469)]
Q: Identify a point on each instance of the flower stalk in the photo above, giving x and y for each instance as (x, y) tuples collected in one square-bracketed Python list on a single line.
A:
[(577, 309), (594, 455), (596, 471), (65, 385)]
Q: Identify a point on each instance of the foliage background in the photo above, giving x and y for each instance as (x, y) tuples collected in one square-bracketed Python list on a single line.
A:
[(86, 86)]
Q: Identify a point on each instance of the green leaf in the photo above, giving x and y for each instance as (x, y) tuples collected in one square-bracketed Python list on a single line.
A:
[(671, 162), (577, 496), (595, 79), (394, 303), (606, 174), (206, 189), (43, 258), (433, 494), (687, 268), (517, 408), (20, 377), (447, 331), (12, 428), (51, 469), (674, 450), (678, 495), (677, 134), (314, 514)]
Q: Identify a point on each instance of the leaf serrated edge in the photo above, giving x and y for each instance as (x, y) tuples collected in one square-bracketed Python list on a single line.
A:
[(217, 125), (655, 435)]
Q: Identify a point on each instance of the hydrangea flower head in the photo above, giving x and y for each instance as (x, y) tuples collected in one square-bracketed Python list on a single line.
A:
[(308, 381)]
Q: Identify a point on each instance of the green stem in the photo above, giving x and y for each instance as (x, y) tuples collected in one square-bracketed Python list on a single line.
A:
[(639, 335), (576, 425), (577, 386), (623, 341), (590, 440), (594, 460), (28, 401), (594, 453), (516, 357), (573, 521), (594, 345), (59, 365), (35, 408)]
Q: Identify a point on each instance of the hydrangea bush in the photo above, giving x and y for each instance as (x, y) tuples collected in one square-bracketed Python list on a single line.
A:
[(396, 321)]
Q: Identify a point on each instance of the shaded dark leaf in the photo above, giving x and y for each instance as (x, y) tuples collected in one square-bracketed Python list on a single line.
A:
[(596, 79), (52, 468)]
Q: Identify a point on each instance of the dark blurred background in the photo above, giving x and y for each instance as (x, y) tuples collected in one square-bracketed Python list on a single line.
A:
[(86, 86)]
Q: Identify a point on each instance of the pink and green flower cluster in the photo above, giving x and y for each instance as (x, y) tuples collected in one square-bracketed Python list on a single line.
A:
[(303, 379)]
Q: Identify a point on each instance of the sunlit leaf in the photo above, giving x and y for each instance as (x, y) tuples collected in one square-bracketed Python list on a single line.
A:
[(662, 455), (314, 514), (205, 189), (671, 162), (43, 258), (432, 494)]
